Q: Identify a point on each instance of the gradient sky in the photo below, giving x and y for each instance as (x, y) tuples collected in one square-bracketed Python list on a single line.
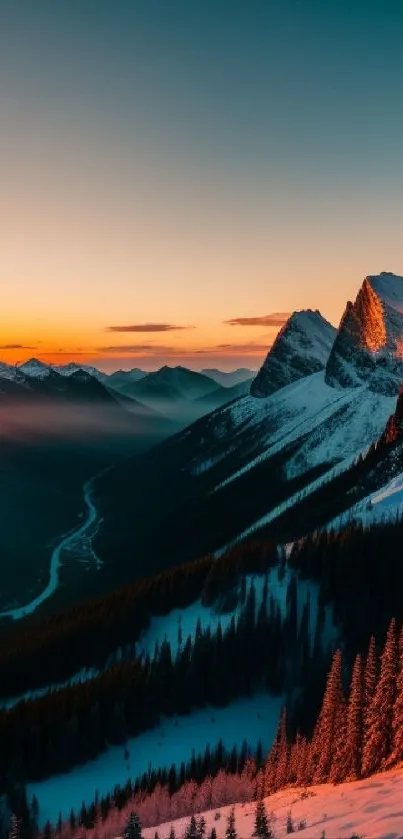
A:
[(183, 163)]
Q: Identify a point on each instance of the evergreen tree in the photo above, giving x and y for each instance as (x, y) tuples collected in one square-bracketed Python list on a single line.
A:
[(262, 828), (201, 827), (290, 825), (325, 732), (172, 834), (191, 830), (355, 715), (370, 675), (230, 831), (378, 732), (277, 760), (396, 754), (73, 820), (283, 754), (338, 760), (133, 827), (213, 834), (14, 828), (303, 770)]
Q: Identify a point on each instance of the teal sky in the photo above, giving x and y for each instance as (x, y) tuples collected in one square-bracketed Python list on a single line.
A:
[(187, 162)]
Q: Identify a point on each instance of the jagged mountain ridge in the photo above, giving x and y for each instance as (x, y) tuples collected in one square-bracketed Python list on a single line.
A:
[(369, 345), (301, 347), (244, 465), (223, 476)]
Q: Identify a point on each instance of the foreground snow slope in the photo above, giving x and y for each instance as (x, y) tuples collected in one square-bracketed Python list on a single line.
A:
[(371, 809)]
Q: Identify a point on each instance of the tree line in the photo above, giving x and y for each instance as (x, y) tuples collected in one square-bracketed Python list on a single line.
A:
[(260, 650), (357, 733), (44, 651), (359, 571)]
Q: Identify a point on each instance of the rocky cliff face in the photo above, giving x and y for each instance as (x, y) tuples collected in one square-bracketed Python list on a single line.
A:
[(394, 427), (302, 347), (369, 344)]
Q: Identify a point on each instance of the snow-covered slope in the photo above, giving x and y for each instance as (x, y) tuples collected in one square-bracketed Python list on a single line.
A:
[(369, 345), (253, 456), (330, 425), (302, 347), (372, 809)]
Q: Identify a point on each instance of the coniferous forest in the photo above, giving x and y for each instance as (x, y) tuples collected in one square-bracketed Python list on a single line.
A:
[(262, 647), (358, 731)]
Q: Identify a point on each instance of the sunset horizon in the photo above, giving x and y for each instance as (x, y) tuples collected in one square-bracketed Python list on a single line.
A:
[(170, 176)]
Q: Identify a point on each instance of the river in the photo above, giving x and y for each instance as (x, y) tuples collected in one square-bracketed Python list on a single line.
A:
[(71, 541)]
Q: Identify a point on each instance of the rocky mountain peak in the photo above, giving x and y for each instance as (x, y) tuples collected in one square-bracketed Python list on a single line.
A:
[(369, 343), (301, 347)]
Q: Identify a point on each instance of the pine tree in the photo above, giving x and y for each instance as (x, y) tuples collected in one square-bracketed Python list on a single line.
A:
[(230, 829), (325, 732), (14, 828), (396, 754), (302, 762), (378, 732), (172, 834), (355, 718), (133, 827), (370, 676), (283, 755), (213, 834), (191, 830), (73, 821), (262, 828), (201, 827), (338, 761), (275, 769), (290, 825)]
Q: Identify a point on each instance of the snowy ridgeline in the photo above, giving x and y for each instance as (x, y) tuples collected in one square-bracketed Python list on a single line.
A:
[(371, 809)]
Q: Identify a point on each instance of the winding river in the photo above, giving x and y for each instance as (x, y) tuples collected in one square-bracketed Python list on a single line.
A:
[(77, 540)]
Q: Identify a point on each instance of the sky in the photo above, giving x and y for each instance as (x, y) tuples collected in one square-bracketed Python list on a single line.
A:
[(179, 175)]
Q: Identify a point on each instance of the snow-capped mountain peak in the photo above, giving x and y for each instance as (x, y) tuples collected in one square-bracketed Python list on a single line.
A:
[(9, 371), (35, 369), (369, 345), (72, 367), (301, 347)]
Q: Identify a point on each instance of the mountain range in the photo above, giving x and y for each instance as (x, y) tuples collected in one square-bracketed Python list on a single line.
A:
[(278, 586), (177, 393), (316, 405)]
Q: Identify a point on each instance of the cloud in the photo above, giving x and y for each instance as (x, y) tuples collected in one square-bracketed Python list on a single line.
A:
[(15, 347), (276, 319), (180, 352), (152, 349), (147, 327), (236, 348), (64, 352)]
